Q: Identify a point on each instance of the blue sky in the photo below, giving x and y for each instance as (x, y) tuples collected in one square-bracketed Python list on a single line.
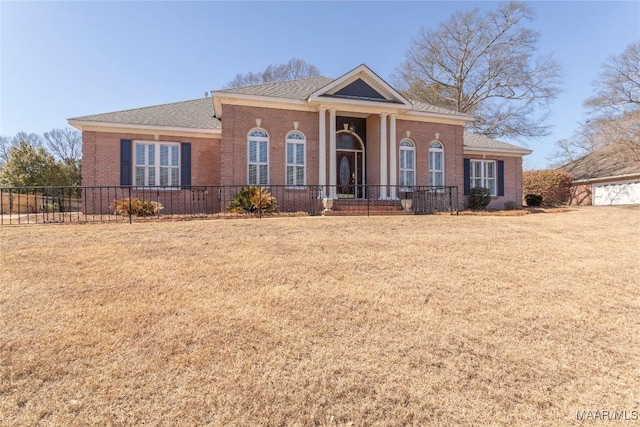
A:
[(66, 59)]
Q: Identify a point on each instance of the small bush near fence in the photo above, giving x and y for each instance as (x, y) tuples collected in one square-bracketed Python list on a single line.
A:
[(253, 199), (533, 199), (554, 186), (479, 198), (135, 206)]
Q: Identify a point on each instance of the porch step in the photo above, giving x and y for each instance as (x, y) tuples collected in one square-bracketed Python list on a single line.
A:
[(343, 207)]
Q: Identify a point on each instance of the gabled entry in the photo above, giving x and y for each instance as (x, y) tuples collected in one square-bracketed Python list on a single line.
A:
[(361, 84)]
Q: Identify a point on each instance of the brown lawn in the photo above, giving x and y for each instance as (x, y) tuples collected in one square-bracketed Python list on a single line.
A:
[(429, 320)]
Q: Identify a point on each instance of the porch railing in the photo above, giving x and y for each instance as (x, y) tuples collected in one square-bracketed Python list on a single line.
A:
[(28, 205)]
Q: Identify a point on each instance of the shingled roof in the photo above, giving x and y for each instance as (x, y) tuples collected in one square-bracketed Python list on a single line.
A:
[(290, 89), (609, 161), (301, 90), (194, 114), (474, 140)]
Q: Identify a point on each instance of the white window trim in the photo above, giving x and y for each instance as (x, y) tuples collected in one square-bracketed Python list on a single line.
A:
[(402, 170), (431, 172), (302, 142), (156, 165), (258, 139), (482, 177)]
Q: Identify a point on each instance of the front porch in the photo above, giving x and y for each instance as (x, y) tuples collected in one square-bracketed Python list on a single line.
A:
[(417, 200)]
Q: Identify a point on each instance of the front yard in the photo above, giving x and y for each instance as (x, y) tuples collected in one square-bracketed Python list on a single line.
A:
[(413, 320)]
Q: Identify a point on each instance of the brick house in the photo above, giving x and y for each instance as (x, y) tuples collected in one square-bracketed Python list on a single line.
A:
[(353, 137)]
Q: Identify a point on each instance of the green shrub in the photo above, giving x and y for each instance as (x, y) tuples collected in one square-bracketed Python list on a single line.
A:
[(50, 207), (533, 199), (479, 198), (253, 199), (554, 186), (135, 206)]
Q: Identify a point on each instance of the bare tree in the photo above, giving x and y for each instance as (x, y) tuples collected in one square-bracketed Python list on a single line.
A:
[(614, 111), (294, 69), (618, 85), (8, 142), (485, 65), (65, 144), (587, 138)]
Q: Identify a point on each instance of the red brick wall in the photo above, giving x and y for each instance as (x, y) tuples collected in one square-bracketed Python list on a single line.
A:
[(238, 121), (512, 180), (101, 157), (581, 195), (372, 150), (422, 134)]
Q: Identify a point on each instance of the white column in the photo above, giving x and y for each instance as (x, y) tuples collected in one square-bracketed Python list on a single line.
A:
[(393, 159), (383, 155), (332, 153), (322, 150)]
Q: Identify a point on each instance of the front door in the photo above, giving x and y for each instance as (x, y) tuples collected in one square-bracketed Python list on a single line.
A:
[(350, 176)]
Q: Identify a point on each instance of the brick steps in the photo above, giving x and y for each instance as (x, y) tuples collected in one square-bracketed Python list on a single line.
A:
[(363, 208)]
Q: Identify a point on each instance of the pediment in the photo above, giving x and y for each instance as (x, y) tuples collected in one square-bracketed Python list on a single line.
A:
[(359, 89), (361, 85)]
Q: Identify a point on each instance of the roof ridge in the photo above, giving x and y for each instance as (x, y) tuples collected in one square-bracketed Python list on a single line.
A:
[(275, 82)]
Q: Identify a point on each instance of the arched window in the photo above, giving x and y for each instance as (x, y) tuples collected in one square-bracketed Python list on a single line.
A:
[(295, 172), (436, 163), (407, 163), (258, 157)]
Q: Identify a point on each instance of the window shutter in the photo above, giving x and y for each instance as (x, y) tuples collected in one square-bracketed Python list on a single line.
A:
[(500, 177), (467, 176), (125, 162), (185, 165)]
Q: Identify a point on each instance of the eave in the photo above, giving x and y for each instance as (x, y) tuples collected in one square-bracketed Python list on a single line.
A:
[(86, 125), (630, 176), (500, 151)]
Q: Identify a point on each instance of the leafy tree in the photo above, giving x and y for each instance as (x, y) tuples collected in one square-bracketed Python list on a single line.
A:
[(7, 143), (485, 65), (31, 166), (65, 145), (294, 69)]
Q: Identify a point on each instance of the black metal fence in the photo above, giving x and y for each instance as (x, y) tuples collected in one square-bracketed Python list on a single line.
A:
[(28, 205)]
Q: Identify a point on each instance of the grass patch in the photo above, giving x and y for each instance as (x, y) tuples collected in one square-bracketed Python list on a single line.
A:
[(413, 320)]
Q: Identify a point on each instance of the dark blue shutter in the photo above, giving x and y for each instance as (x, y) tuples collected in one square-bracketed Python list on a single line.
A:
[(185, 165), (467, 176), (125, 162), (500, 177)]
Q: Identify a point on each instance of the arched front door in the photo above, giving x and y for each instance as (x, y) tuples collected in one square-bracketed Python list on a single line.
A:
[(350, 162)]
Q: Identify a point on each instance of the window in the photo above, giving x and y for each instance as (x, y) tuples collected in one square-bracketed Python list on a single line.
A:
[(407, 163), (436, 164), (258, 146), (157, 164), (295, 158), (483, 174)]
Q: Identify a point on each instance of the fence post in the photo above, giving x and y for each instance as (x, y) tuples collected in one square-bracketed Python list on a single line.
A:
[(129, 204)]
